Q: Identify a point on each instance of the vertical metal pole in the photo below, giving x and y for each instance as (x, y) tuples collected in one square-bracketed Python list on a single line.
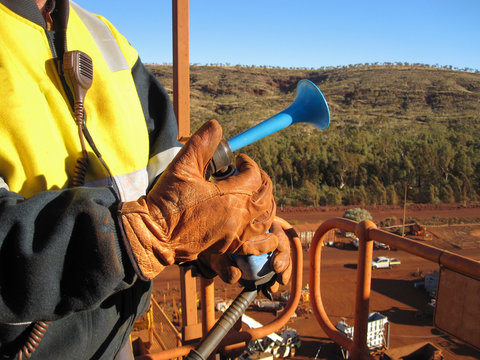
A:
[(364, 279), (404, 209), (192, 329), (181, 67), (207, 287), (208, 304), (181, 103)]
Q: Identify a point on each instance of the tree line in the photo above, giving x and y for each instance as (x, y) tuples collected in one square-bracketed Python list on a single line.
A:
[(374, 164)]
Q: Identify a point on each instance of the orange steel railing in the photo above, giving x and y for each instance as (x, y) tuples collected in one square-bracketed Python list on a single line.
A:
[(367, 232), (236, 340)]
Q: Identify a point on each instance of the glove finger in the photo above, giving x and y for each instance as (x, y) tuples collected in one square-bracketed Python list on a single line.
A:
[(262, 208), (283, 242), (223, 266), (259, 244), (263, 200), (282, 263), (228, 272), (198, 151), (248, 179), (261, 212), (274, 288)]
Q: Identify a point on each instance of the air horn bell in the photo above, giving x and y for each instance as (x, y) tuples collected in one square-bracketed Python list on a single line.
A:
[(309, 106)]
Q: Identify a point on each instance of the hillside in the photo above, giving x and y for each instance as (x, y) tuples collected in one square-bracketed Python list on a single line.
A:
[(390, 125)]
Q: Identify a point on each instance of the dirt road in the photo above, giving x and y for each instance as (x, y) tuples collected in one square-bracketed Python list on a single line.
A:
[(313, 216)]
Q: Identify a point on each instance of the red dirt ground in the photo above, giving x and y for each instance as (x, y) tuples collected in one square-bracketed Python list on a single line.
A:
[(393, 293)]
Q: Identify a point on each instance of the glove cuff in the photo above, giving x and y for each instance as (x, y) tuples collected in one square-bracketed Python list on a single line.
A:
[(145, 239)]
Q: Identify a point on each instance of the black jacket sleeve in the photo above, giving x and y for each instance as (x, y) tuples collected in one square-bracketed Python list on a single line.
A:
[(59, 253)]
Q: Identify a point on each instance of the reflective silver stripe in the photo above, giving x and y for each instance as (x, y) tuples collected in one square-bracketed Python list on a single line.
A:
[(135, 184), (131, 186), (104, 39), (159, 162), (18, 324), (3, 184)]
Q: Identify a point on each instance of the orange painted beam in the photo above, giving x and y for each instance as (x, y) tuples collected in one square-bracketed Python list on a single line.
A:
[(181, 67)]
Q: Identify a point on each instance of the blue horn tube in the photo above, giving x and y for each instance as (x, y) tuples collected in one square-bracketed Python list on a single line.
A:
[(309, 106)]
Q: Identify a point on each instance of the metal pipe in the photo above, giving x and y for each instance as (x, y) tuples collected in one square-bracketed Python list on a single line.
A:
[(366, 231), (168, 354), (181, 67), (362, 295), (192, 329), (208, 304), (315, 293), (442, 257)]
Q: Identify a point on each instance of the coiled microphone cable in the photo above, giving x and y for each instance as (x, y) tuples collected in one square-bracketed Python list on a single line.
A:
[(78, 73), (36, 334)]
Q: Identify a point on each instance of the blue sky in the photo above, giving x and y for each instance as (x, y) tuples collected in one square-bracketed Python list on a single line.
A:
[(304, 33)]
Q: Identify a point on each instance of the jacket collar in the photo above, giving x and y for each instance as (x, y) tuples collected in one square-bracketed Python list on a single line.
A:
[(25, 8), (29, 10)]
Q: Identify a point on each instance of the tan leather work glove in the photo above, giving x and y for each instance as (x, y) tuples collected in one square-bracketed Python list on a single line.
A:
[(184, 214)]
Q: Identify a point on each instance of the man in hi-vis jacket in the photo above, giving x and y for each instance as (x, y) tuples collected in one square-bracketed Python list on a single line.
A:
[(96, 194)]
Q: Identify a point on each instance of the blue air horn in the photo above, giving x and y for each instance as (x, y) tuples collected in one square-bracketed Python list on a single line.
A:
[(309, 106)]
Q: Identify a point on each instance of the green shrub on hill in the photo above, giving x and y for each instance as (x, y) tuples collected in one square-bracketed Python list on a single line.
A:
[(357, 214)]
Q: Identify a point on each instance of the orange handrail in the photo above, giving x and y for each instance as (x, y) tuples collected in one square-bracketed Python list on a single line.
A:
[(366, 231), (314, 283)]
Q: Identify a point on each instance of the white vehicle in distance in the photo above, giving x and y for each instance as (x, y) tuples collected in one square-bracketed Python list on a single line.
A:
[(383, 262)]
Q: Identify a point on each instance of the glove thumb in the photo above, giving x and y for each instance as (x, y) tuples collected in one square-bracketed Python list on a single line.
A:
[(198, 151)]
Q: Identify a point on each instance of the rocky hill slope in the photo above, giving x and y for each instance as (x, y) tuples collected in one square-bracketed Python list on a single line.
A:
[(357, 94)]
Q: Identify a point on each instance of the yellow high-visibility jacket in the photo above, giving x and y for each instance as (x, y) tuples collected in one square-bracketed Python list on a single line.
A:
[(62, 256)]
